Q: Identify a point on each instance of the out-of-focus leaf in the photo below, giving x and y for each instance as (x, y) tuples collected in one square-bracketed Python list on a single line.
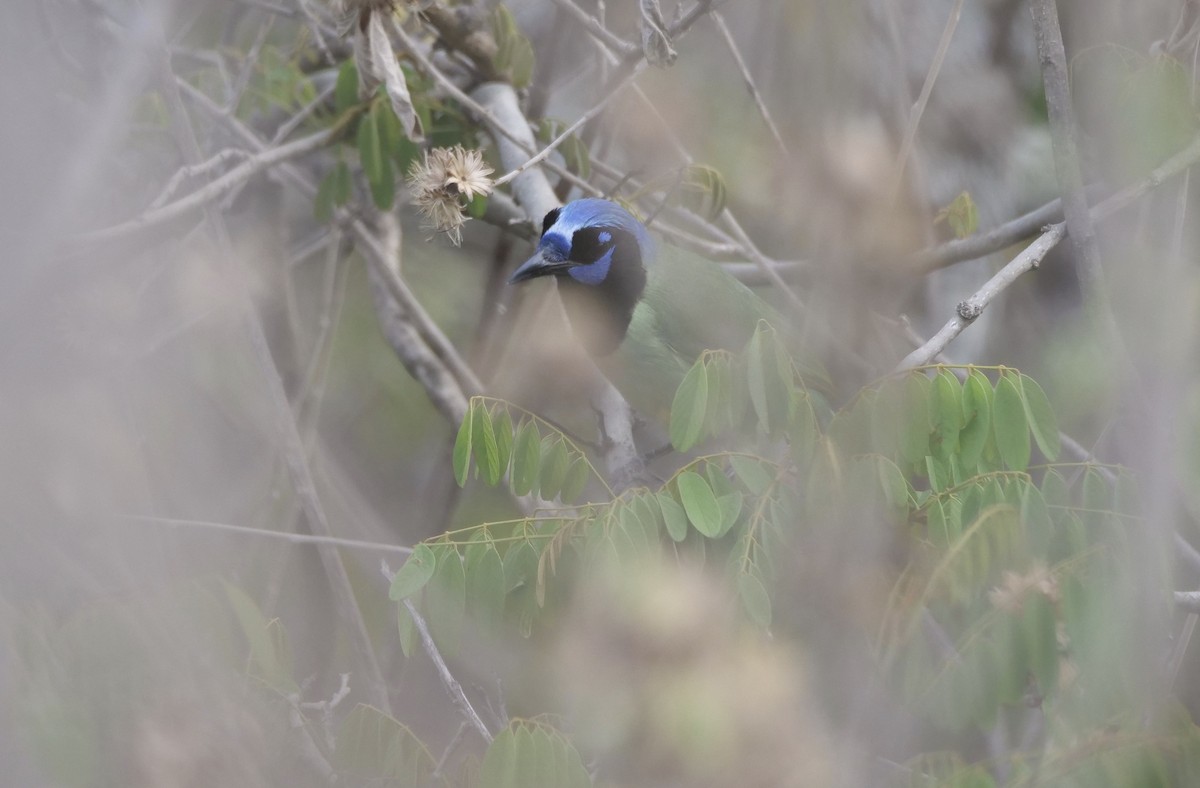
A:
[(1042, 421), (962, 215), (977, 419), (527, 457), (462, 447), (446, 601), (1009, 424), (345, 91), (414, 574), (755, 599), (703, 190), (674, 517), (374, 747), (700, 504), (688, 408)]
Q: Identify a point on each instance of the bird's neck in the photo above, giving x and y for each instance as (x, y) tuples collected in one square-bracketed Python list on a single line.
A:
[(600, 313)]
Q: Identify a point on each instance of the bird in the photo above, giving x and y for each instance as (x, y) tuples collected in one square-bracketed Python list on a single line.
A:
[(643, 309)]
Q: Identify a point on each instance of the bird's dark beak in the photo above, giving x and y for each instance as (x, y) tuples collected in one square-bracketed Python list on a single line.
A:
[(537, 266)]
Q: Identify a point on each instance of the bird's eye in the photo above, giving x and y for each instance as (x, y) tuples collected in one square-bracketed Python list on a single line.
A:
[(590, 244), (550, 219)]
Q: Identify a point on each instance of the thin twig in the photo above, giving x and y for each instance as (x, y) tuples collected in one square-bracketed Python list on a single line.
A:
[(973, 307), (434, 354), (283, 536), (214, 190), (1035, 252), (451, 684), (914, 120), (594, 110), (593, 26), (748, 78)]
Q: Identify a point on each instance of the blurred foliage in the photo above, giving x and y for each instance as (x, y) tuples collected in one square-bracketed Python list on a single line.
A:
[(675, 613)]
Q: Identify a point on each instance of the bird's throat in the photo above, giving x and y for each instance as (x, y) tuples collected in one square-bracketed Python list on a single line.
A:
[(600, 313)]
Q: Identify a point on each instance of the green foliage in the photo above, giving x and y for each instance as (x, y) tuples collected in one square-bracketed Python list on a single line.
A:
[(962, 215), (374, 747), (530, 754), (270, 656), (573, 150), (999, 543), (514, 53), (703, 190)]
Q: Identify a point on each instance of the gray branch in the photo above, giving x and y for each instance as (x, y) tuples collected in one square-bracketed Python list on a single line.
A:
[(1064, 133)]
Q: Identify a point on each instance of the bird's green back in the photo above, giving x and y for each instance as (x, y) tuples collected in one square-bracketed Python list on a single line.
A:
[(690, 304)]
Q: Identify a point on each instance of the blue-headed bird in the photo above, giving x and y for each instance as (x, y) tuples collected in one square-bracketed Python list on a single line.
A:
[(644, 310)]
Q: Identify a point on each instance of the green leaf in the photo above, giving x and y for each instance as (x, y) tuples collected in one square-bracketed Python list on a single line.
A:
[(415, 573), (915, 427), (527, 458), (487, 450), (688, 408), (345, 91), (341, 184), (731, 506), (375, 163), (477, 207), (894, 486), (462, 446), (935, 469), (532, 755), (323, 202), (375, 748), (977, 419), (946, 410), (755, 599), (520, 565), (514, 53), (938, 526), (575, 480), (962, 215), (270, 656), (752, 473), (767, 373), (1096, 499), (1041, 641), (1009, 425), (446, 601), (553, 466), (408, 630), (502, 426), (485, 584), (802, 428), (700, 504), (1042, 421), (703, 190), (674, 517)]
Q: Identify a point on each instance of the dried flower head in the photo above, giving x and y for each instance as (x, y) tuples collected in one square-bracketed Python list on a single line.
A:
[(444, 182), (1011, 594)]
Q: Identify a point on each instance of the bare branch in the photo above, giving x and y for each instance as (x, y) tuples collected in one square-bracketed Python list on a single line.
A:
[(592, 112), (451, 684), (214, 190), (598, 31), (1063, 133), (973, 307)]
